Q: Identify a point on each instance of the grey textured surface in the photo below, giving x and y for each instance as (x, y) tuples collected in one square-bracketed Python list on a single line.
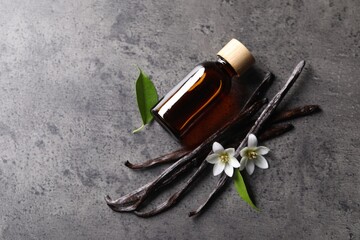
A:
[(67, 71)]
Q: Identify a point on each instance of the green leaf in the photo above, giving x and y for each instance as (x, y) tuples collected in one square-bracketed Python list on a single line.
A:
[(146, 96), (241, 188)]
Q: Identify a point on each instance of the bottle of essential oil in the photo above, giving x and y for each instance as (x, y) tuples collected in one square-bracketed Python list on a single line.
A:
[(201, 89)]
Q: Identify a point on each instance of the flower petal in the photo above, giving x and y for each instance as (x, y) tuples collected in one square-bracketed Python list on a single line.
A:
[(234, 162), (263, 150), (261, 162), (250, 167), (243, 163), (252, 141), (230, 151), (229, 170), (243, 151), (217, 147), (218, 168), (212, 158)]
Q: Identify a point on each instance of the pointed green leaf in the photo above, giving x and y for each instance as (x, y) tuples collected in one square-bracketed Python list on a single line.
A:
[(146, 96), (241, 189)]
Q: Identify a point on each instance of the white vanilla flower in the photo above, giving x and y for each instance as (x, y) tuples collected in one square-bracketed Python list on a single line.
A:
[(252, 155), (223, 159)]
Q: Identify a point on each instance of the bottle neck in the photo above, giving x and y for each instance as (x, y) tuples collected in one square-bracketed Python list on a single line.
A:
[(223, 64)]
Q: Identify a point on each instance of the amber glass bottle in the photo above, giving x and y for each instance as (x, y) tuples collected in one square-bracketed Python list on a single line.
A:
[(201, 89)]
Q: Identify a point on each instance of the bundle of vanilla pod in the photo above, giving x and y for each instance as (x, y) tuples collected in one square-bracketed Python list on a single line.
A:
[(257, 117)]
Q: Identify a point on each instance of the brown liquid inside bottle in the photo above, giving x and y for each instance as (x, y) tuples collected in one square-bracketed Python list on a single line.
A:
[(184, 105), (183, 110), (220, 113)]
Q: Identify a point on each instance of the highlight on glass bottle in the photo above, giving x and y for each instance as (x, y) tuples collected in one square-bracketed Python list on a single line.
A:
[(199, 91)]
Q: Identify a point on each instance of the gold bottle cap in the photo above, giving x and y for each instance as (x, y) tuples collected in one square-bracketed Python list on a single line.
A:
[(237, 55)]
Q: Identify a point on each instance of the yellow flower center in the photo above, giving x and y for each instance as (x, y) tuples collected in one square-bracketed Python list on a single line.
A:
[(251, 154), (224, 157)]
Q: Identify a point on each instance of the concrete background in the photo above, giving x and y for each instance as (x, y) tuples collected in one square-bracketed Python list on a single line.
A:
[(67, 84)]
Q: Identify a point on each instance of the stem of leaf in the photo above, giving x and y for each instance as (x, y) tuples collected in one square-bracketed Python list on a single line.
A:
[(138, 129)]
